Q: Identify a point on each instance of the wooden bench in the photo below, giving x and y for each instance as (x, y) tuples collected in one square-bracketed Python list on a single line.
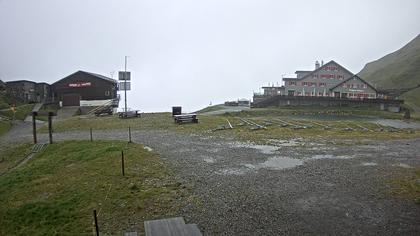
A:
[(129, 114), (185, 118)]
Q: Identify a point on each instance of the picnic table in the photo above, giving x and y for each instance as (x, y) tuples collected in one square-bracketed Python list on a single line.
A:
[(186, 118)]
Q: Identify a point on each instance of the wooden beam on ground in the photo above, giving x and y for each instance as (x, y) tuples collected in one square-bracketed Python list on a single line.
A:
[(319, 124), (170, 227), (363, 128), (253, 124), (230, 125)]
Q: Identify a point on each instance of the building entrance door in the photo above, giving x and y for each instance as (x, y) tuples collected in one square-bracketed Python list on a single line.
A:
[(71, 99), (337, 94), (291, 92)]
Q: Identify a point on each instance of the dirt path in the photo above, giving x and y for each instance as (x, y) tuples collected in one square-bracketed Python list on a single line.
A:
[(295, 188)]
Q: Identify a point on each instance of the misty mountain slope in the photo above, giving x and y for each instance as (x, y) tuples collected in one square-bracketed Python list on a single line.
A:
[(412, 99), (400, 69)]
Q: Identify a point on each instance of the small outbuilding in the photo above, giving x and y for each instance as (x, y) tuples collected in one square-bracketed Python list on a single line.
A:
[(2, 85), (85, 89), (243, 102), (28, 91)]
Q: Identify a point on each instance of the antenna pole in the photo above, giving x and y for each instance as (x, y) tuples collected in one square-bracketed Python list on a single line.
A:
[(125, 85)]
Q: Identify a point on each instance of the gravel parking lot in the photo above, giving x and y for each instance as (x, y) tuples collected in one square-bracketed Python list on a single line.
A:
[(295, 187)]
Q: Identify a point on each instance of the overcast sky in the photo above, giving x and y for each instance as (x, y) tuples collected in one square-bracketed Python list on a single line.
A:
[(191, 53)]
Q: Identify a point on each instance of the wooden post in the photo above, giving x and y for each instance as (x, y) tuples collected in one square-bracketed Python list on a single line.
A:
[(34, 126), (50, 114), (96, 223), (122, 163), (129, 134), (91, 137)]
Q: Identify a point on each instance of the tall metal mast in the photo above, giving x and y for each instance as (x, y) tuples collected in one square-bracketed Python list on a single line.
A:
[(125, 85)]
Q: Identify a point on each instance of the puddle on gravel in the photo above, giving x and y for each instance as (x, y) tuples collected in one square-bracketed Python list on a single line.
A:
[(231, 171), (369, 164), (286, 143), (402, 165), (209, 160), (273, 163), (279, 163), (329, 156), (276, 163), (265, 149)]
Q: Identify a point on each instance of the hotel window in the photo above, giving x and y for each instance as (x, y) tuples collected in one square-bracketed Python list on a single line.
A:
[(292, 83), (321, 84)]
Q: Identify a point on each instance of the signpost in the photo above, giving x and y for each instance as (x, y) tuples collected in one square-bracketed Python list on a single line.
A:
[(125, 76), (125, 86)]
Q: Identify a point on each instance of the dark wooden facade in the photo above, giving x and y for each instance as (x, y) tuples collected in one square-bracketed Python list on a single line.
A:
[(2, 85), (83, 85), (28, 91)]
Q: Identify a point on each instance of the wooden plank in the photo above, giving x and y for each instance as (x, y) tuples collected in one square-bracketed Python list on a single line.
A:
[(230, 125), (164, 227), (191, 230)]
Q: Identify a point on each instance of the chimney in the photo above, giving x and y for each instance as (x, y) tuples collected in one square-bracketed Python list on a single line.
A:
[(322, 62), (316, 65)]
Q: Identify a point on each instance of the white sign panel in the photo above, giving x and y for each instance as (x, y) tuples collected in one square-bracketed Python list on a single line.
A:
[(122, 86), (122, 77)]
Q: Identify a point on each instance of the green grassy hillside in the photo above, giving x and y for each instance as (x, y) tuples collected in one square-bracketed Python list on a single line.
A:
[(400, 69), (412, 99)]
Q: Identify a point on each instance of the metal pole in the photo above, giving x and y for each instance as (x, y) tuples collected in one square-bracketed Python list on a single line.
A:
[(122, 163), (96, 223), (129, 134), (125, 85), (50, 126), (34, 126), (91, 136)]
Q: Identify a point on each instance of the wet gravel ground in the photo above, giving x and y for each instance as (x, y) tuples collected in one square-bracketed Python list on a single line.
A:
[(295, 188)]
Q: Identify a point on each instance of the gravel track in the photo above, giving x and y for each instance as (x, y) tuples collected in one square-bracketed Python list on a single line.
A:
[(327, 189)]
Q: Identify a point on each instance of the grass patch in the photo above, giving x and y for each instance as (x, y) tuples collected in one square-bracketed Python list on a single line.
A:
[(148, 121), (338, 130), (57, 191), (21, 112), (408, 186), (4, 126), (315, 112), (10, 157), (337, 120)]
